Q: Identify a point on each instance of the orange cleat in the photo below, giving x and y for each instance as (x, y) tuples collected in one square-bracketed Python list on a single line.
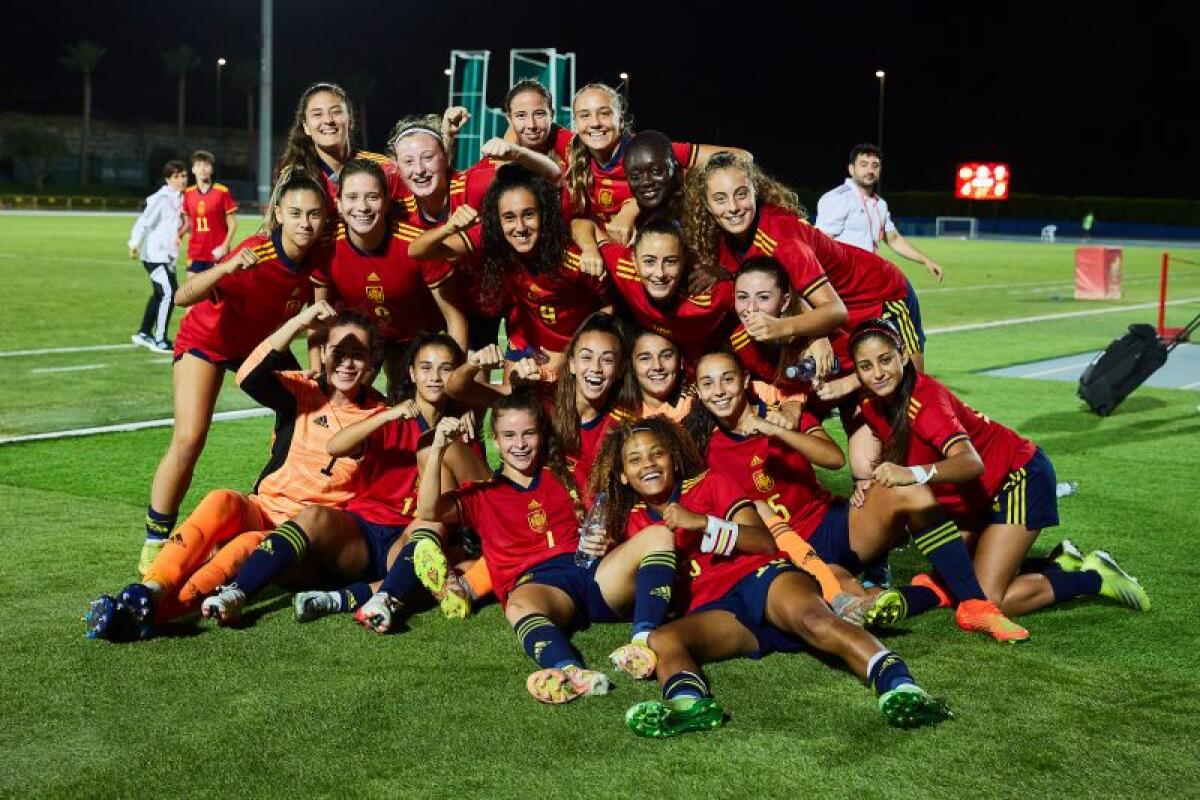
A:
[(984, 617)]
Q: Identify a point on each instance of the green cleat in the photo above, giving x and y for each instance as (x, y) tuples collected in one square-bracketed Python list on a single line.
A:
[(436, 576), (657, 719), (910, 706), (1067, 556), (889, 607), (150, 550), (1115, 582)]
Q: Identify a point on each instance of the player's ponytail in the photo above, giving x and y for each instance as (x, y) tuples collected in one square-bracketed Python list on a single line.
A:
[(292, 179), (895, 449)]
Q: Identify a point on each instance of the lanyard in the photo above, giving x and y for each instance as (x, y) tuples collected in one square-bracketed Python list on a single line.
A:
[(870, 221)]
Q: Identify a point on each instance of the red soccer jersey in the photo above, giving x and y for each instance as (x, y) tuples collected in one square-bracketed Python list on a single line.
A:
[(610, 188), (711, 575), (760, 361), (937, 420), (767, 469), (478, 179), (409, 211), (206, 212), (388, 285), (247, 306), (543, 311), (692, 322), (591, 438), (863, 280), (479, 176), (519, 528), (388, 478), (776, 234), (331, 178)]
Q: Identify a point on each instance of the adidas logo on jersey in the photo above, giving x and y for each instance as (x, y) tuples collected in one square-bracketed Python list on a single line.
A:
[(322, 420)]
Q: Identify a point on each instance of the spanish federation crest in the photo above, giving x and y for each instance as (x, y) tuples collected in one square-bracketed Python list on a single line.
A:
[(606, 198), (375, 294), (536, 517), (763, 482)]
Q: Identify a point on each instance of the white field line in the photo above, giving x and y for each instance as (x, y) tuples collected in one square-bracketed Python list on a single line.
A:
[(1021, 286), (1051, 371), (1002, 323), (90, 348), (133, 426), (77, 368)]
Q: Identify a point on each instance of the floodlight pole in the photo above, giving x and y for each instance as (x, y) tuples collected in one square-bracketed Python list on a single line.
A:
[(264, 106), (879, 133), (220, 66)]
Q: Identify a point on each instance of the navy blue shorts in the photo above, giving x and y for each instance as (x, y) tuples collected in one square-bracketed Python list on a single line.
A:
[(199, 266), (747, 601), (233, 365), (1029, 497), (906, 315), (831, 539), (579, 584), (379, 539)]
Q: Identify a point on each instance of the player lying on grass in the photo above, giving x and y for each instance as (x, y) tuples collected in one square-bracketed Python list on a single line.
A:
[(227, 525), (392, 447), (998, 487), (528, 517), (743, 596), (233, 307)]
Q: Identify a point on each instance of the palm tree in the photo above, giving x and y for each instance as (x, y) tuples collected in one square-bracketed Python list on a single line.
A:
[(83, 57), (180, 61)]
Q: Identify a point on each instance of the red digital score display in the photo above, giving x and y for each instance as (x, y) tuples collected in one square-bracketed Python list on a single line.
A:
[(982, 180)]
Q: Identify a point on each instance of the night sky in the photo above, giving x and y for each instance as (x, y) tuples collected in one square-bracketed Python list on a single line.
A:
[(1078, 102)]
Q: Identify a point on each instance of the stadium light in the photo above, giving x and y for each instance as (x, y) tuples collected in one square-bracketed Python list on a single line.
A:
[(447, 72), (623, 86), (879, 133)]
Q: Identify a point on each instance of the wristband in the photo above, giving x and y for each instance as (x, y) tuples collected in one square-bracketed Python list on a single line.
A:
[(720, 536), (923, 475)]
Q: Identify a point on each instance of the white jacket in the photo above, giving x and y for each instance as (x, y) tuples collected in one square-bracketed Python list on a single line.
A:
[(156, 232)]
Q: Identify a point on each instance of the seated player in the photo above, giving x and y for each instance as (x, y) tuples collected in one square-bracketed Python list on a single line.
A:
[(743, 597), (659, 372), (528, 518), (998, 487), (300, 473)]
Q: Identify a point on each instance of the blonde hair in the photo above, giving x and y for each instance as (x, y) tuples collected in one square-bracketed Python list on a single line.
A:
[(579, 173)]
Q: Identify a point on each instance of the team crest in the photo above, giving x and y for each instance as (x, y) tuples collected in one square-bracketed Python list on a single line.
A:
[(382, 313), (375, 294), (763, 482), (606, 198), (537, 517)]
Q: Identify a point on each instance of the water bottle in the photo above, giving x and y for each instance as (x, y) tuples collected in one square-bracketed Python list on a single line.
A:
[(805, 371), (592, 528)]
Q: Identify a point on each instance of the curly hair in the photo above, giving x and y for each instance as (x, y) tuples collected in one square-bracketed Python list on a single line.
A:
[(700, 227), (406, 388), (895, 408), (579, 158), (552, 454), (300, 150), (553, 236), (609, 467), (623, 394)]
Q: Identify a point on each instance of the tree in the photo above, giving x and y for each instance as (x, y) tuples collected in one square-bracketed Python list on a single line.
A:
[(37, 148), (83, 57), (179, 62)]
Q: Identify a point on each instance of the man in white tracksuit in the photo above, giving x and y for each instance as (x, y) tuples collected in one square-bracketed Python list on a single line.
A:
[(155, 240)]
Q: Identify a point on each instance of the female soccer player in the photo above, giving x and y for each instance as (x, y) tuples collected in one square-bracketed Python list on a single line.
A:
[(528, 519), (372, 271), (234, 306), (300, 473), (998, 486), (529, 268), (659, 372), (595, 170), (429, 188), (742, 598), (321, 138)]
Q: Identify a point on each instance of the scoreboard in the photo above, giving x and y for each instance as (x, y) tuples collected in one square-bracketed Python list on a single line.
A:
[(982, 180)]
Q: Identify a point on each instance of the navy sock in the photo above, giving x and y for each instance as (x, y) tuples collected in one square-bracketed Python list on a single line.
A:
[(1068, 585), (887, 671), (917, 599), (283, 548), (1037, 564), (655, 576), (355, 595), (684, 684), (159, 525), (545, 643), (943, 545), (402, 577)]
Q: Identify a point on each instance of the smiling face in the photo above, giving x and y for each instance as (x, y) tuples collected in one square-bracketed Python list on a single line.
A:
[(429, 371), (652, 176), (879, 364), (300, 214), (346, 357), (518, 439), (758, 291), (530, 117), (594, 365), (362, 203), (422, 163), (659, 259), (721, 386), (327, 120), (520, 219), (647, 468), (597, 121), (656, 365), (730, 198)]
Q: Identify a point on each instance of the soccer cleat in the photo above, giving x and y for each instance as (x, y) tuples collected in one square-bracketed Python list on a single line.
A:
[(1116, 583), (657, 719), (128, 616), (150, 550), (927, 581), (555, 686), (314, 605), (225, 606), (889, 607), (377, 612), (850, 608), (429, 562), (1066, 555), (162, 345), (983, 616), (634, 659), (910, 706)]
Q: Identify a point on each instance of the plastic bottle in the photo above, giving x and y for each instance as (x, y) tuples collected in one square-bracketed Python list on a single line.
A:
[(805, 370), (592, 528)]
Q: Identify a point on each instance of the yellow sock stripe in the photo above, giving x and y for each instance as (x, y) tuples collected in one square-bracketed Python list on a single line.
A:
[(425, 533), (931, 540), (530, 625), (291, 534), (658, 559)]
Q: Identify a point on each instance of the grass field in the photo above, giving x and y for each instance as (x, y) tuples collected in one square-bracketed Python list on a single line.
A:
[(1102, 702)]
